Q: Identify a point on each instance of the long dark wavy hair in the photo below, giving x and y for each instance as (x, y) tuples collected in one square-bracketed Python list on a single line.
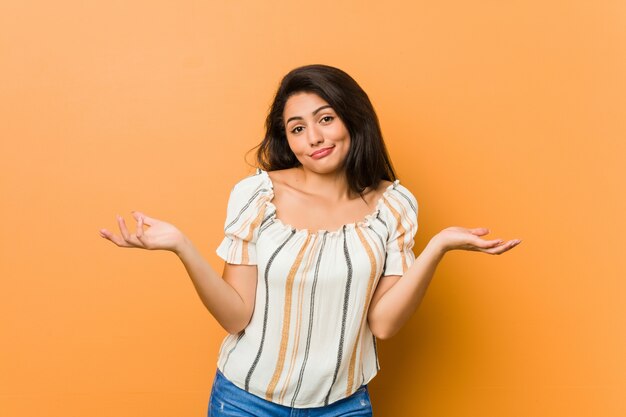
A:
[(367, 162)]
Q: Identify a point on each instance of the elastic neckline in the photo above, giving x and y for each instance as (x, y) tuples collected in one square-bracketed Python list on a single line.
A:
[(362, 223)]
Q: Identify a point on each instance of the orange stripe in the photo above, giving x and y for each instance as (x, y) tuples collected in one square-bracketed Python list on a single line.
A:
[(287, 319), (401, 231), (378, 250), (405, 215), (294, 352), (243, 224), (370, 285), (244, 250)]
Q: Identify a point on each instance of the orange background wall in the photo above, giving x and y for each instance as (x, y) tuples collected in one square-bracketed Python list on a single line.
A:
[(508, 115)]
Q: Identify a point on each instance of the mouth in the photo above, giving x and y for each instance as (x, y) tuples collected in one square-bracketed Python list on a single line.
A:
[(322, 152)]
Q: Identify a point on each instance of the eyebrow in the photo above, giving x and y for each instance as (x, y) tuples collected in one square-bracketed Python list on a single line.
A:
[(314, 113)]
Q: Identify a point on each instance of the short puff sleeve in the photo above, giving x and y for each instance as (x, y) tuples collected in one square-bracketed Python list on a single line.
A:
[(400, 215), (244, 214)]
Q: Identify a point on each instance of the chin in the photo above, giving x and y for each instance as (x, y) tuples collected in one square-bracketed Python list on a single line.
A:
[(324, 170)]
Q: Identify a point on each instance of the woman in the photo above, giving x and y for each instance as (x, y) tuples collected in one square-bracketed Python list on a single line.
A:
[(318, 256)]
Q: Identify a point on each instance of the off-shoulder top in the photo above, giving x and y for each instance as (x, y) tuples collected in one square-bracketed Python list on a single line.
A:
[(308, 343)]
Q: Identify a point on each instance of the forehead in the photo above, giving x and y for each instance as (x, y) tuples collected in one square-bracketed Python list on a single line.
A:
[(302, 104)]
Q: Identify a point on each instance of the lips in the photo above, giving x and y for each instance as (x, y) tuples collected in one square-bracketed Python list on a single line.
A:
[(320, 153)]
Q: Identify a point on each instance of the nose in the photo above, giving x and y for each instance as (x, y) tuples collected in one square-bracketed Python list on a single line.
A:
[(315, 136)]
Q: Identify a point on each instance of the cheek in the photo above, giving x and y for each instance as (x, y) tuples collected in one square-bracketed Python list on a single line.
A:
[(345, 137), (292, 144), (343, 133), (296, 147)]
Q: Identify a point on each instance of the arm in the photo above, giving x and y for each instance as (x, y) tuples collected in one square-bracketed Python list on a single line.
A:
[(229, 298), (397, 297)]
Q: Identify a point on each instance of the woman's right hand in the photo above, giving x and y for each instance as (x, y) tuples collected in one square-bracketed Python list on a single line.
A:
[(159, 235)]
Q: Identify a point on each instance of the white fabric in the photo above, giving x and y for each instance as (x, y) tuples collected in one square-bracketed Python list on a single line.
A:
[(308, 343)]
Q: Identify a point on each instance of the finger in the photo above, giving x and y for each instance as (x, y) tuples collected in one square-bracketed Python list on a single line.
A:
[(147, 220), (122, 226), (503, 248), (114, 238), (486, 244), (130, 239), (140, 228), (140, 234)]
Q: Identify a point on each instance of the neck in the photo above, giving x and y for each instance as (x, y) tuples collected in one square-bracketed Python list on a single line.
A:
[(333, 186)]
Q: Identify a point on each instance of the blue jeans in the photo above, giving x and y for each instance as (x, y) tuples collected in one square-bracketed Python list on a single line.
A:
[(227, 399)]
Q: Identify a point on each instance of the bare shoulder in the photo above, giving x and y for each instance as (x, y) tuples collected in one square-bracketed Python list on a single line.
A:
[(284, 179), (372, 195), (283, 176)]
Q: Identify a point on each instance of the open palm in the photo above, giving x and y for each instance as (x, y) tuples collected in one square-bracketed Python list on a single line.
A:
[(462, 238), (158, 235)]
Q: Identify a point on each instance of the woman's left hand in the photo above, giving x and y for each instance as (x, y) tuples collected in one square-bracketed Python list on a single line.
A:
[(462, 238)]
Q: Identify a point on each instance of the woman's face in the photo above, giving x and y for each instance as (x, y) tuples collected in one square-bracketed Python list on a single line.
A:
[(316, 135)]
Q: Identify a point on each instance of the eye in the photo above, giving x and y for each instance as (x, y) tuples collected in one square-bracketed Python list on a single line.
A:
[(327, 118), (295, 129)]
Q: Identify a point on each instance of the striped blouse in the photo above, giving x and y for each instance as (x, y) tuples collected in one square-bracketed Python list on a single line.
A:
[(308, 343)]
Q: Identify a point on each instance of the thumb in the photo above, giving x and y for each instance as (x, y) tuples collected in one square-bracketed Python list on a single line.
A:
[(479, 231)]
